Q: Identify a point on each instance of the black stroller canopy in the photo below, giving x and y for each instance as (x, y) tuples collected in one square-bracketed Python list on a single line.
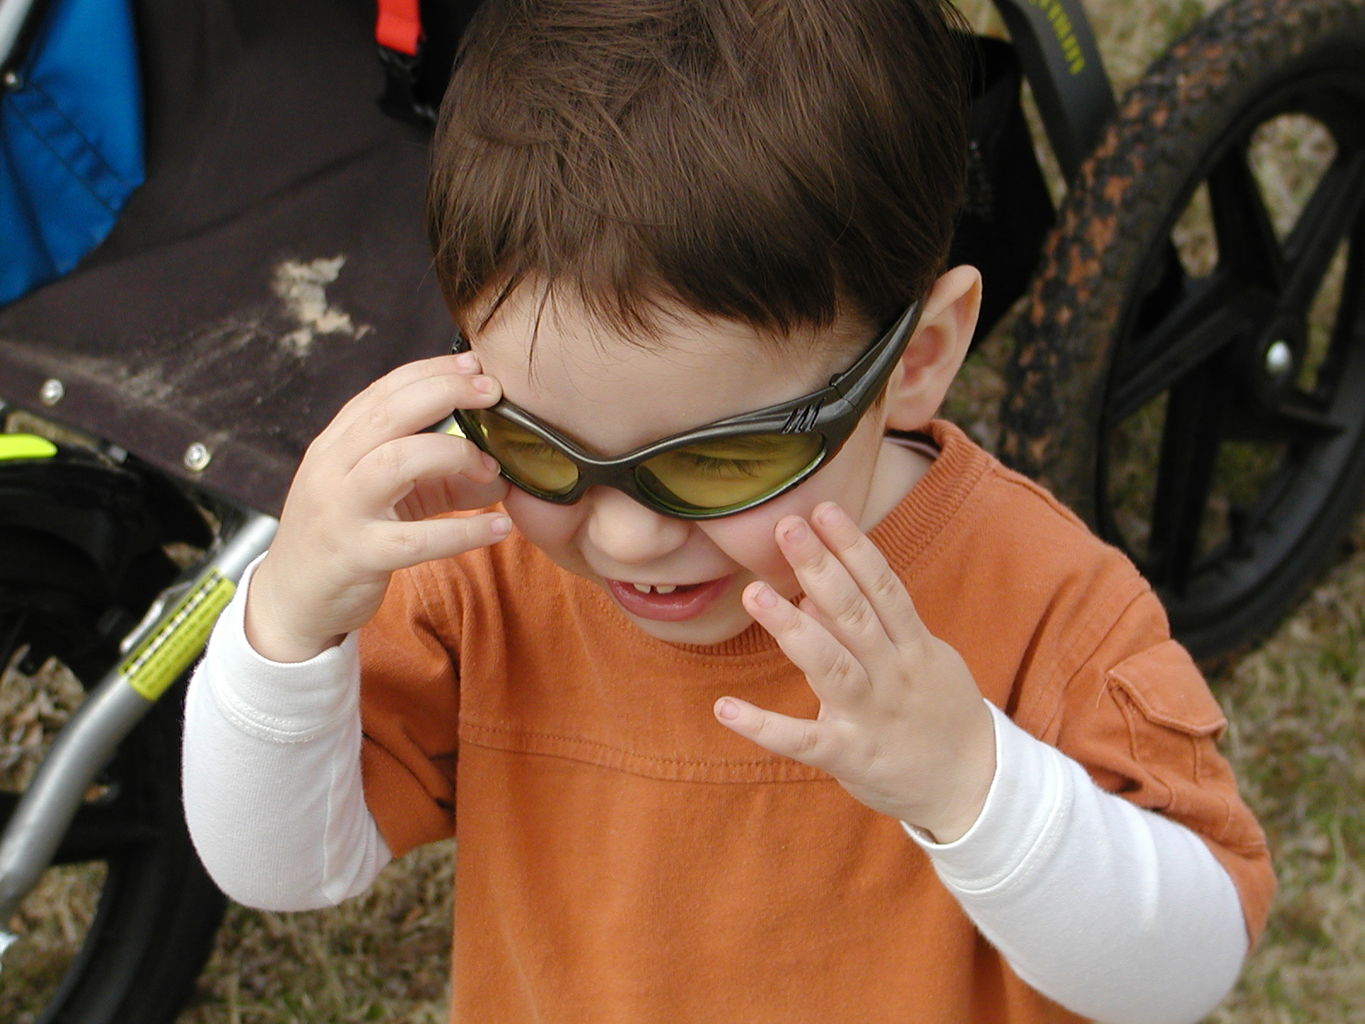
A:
[(273, 264)]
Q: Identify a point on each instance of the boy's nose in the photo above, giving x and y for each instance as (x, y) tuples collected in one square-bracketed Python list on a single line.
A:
[(627, 532)]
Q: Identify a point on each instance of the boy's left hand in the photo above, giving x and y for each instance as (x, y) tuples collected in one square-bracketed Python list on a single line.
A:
[(902, 725)]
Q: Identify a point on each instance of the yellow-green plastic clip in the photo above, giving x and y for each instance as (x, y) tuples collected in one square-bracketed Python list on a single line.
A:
[(25, 446)]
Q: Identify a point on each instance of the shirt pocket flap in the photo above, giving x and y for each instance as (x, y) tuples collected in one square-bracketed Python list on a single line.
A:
[(1188, 709)]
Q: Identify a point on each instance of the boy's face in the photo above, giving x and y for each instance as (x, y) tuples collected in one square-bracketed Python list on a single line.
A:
[(612, 396)]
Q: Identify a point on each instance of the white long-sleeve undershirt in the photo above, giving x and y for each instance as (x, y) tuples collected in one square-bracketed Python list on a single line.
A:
[(1115, 912)]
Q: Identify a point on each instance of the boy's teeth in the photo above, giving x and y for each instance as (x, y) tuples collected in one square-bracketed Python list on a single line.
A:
[(664, 588)]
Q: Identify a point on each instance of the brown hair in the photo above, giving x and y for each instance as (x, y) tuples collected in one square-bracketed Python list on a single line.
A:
[(778, 162)]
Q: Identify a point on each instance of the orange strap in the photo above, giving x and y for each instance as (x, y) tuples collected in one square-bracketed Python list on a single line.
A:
[(399, 25)]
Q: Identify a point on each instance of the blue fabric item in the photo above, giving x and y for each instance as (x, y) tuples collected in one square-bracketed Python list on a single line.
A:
[(70, 141)]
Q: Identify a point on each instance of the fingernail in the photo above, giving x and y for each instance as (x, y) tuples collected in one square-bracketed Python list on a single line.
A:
[(764, 596), (500, 526), (490, 463), (796, 531), (828, 514), (484, 384), (467, 361), (727, 709)]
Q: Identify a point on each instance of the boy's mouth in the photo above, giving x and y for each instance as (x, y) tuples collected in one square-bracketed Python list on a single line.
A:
[(667, 602)]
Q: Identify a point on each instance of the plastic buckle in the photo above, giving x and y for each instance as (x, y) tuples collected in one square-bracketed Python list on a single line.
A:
[(400, 98)]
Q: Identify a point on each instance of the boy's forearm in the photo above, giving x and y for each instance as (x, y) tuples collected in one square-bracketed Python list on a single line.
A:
[(272, 784), (1092, 899)]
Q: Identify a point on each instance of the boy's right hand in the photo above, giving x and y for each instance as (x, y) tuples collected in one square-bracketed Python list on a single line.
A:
[(362, 502)]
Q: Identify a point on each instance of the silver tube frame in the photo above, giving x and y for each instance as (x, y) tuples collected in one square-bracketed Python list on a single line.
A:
[(88, 740)]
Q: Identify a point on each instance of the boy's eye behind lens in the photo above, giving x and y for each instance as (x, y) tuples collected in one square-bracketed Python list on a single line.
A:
[(723, 473), (527, 457)]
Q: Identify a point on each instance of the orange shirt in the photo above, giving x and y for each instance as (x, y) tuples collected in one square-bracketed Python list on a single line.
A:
[(622, 858)]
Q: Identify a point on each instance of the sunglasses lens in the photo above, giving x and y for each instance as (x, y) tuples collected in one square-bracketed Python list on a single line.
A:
[(712, 476), (529, 460)]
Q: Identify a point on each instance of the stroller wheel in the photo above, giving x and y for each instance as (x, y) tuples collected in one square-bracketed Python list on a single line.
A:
[(121, 922), (1190, 368)]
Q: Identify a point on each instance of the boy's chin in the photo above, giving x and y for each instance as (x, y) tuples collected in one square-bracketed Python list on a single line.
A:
[(716, 627)]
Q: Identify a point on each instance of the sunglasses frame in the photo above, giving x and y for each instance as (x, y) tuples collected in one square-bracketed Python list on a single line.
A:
[(832, 412)]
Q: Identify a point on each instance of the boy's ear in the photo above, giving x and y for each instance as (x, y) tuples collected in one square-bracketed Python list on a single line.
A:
[(936, 351)]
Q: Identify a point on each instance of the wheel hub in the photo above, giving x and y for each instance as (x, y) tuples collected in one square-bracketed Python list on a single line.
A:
[(1272, 360), (1279, 360)]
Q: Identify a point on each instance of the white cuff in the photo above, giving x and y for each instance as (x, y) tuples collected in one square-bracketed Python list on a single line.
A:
[(1025, 800), (282, 703)]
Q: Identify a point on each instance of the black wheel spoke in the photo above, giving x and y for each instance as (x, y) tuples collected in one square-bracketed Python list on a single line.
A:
[(1348, 331), (1299, 421), (1190, 441), (103, 842), (1247, 244), (98, 833), (1325, 222), (1203, 322)]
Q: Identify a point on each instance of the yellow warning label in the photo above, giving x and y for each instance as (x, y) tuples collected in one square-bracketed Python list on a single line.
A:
[(160, 659)]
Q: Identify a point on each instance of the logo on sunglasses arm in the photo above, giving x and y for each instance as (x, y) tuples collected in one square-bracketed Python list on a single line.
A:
[(801, 420)]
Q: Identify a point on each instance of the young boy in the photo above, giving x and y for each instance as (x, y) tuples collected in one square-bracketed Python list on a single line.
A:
[(748, 697)]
